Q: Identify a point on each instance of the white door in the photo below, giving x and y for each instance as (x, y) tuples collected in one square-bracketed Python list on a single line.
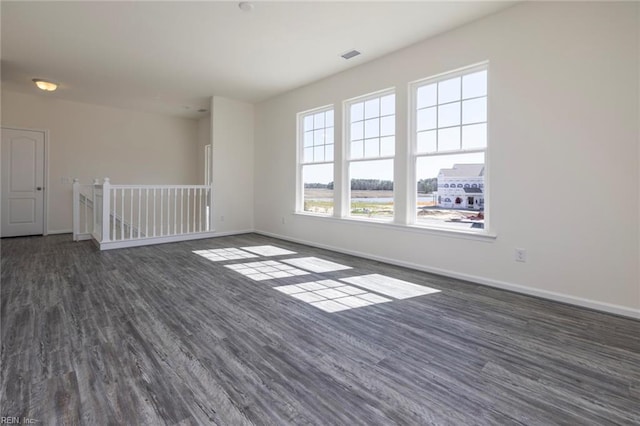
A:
[(22, 183)]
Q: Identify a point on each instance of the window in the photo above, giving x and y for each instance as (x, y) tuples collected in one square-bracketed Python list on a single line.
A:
[(371, 148), (449, 132), (315, 143)]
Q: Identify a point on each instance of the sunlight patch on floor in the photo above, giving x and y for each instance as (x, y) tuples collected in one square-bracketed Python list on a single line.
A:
[(388, 286), (220, 255), (260, 271), (332, 296), (315, 264), (268, 250)]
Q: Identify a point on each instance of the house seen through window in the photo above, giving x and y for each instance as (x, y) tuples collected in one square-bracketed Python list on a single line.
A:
[(450, 140)]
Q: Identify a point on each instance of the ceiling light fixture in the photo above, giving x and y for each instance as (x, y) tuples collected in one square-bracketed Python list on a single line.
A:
[(246, 6), (45, 85)]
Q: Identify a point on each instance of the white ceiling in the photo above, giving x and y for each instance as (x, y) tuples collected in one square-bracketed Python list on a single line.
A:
[(170, 57)]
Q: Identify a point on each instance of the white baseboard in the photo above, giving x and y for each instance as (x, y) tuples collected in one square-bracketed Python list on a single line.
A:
[(544, 294), (110, 245), (59, 231)]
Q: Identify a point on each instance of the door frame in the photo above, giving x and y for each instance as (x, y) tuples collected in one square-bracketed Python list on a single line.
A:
[(45, 210)]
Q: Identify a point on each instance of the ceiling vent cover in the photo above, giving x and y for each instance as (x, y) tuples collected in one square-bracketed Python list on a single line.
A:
[(350, 54)]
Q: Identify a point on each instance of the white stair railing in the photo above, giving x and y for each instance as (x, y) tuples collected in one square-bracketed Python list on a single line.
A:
[(133, 215)]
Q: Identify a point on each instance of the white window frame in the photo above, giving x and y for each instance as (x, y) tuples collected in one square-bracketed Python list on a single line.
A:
[(300, 157), (414, 155), (345, 185)]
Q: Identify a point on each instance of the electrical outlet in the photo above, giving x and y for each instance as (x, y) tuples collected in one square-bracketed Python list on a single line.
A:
[(283, 220), (221, 218), (520, 255), (65, 180)]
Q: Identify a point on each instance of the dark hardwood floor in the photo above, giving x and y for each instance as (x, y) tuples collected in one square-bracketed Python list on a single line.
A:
[(160, 335)]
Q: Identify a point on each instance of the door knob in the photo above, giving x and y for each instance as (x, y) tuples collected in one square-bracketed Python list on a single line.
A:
[(39, 188)]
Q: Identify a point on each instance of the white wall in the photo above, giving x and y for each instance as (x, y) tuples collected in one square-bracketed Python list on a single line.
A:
[(564, 120), (90, 141), (204, 139), (232, 138)]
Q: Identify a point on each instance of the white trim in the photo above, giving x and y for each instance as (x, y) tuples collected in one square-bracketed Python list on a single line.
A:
[(413, 87), (110, 245), (45, 210), (503, 285), (347, 155), (60, 231), (300, 116), (432, 230)]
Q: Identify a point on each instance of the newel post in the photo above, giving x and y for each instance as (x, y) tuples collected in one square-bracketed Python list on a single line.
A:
[(76, 208), (106, 209)]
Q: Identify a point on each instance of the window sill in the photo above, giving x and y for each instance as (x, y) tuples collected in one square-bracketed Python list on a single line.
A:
[(427, 230)]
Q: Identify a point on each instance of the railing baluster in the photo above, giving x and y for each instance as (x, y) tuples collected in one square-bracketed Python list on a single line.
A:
[(188, 203), (146, 213), (86, 215), (195, 213), (175, 211), (139, 211), (131, 214), (200, 209), (154, 212), (161, 211), (112, 217), (122, 214), (181, 209)]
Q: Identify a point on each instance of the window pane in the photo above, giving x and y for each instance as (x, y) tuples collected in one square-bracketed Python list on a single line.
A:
[(388, 126), (317, 181), (357, 131), (308, 123), (357, 112), (388, 105), (318, 120), (371, 148), (474, 136), (318, 153), (372, 189), (426, 141), (474, 111), (328, 118), (308, 139), (426, 119), (328, 153), (474, 84), (357, 149), (449, 139), (449, 90), (387, 146), (308, 155), (427, 96), (318, 137), (372, 128), (328, 135), (449, 115), (372, 108), (451, 191)]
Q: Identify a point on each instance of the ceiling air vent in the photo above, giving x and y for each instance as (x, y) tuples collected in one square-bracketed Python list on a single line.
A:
[(350, 54)]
